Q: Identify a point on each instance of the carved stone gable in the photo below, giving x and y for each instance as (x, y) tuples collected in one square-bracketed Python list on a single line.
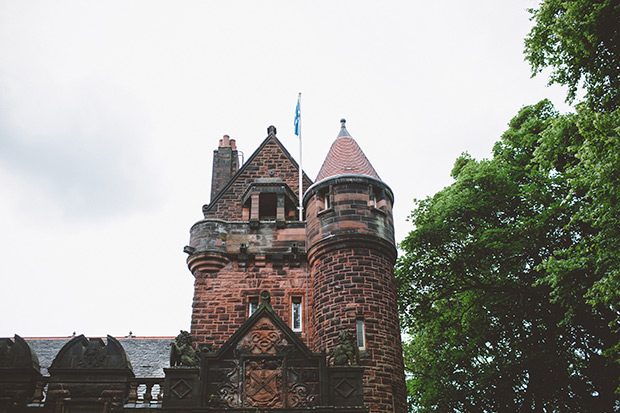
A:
[(265, 366), (263, 338)]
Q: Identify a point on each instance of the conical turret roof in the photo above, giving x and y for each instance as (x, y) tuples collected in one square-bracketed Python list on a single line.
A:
[(345, 157)]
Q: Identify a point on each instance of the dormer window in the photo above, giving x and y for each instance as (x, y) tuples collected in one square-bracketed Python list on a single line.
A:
[(269, 199)]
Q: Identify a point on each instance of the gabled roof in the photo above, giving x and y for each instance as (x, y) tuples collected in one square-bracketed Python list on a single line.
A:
[(345, 157), (271, 138)]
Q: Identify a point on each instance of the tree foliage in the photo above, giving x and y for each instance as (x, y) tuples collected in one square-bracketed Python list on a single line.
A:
[(580, 41), (510, 283)]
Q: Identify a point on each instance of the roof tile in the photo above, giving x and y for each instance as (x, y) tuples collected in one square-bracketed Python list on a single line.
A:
[(345, 157)]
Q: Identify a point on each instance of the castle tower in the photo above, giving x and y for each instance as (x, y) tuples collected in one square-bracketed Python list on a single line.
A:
[(351, 253), (250, 240)]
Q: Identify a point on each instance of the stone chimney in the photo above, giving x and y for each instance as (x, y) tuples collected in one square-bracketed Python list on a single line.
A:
[(225, 164)]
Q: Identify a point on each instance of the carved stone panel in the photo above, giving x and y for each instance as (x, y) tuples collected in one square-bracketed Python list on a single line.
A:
[(303, 386), (181, 387), (263, 383), (263, 338), (224, 385), (265, 366)]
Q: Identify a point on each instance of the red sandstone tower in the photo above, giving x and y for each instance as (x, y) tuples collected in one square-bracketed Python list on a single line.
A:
[(351, 253), (250, 240), (331, 273)]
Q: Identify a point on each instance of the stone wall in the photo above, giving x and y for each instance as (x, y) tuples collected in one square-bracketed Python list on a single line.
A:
[(271, 160), (221, 300), (353, 282)]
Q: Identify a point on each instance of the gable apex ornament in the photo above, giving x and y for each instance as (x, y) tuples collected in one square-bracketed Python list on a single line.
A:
[(271, 130), (265, 298)]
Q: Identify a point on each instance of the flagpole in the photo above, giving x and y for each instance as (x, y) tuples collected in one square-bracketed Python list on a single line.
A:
[(301, 206)]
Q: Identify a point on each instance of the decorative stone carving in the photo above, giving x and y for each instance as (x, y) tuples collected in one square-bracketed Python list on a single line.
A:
[(227, 391), (265, 366), (181, 388), (90, 372), (17, 354), (92, 358), (303, 384), (346, 352), (263, 338), (83, 353), (263, 383), (19, 373), (182, 353)]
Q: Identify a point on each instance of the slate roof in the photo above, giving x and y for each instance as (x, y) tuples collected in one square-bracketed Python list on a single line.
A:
[(148, 355), (345, 157)]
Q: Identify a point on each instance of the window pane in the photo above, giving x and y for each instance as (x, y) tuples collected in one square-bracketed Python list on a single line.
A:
[(296, 314), (361, 343), (253, 305)]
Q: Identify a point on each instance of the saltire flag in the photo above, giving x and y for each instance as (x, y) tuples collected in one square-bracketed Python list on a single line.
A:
[(297, 116)]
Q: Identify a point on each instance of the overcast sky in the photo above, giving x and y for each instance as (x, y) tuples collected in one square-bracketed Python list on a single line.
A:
[(110, 112)]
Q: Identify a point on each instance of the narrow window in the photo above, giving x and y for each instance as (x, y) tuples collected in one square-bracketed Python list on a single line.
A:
[(325, 199), (296, 313), (361, 338), (252, 305), (373, 196)]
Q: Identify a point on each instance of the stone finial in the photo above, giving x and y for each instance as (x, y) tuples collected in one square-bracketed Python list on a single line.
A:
[(343, 129), (265, 297), (271, 130)]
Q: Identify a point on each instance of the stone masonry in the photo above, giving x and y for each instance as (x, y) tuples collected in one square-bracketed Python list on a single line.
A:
[(336, 264)]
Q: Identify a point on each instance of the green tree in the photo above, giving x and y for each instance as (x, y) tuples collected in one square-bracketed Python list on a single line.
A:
[(580, 41), (506, 307)]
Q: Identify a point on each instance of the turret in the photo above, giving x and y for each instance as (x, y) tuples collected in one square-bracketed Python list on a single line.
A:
[(351, 253)]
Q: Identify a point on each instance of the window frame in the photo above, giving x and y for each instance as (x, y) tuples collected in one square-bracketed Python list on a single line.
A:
[(253, 304), (297, 301), (360, 332)]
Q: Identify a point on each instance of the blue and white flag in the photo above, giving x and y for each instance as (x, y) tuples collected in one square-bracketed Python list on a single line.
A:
[(297, 116)]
